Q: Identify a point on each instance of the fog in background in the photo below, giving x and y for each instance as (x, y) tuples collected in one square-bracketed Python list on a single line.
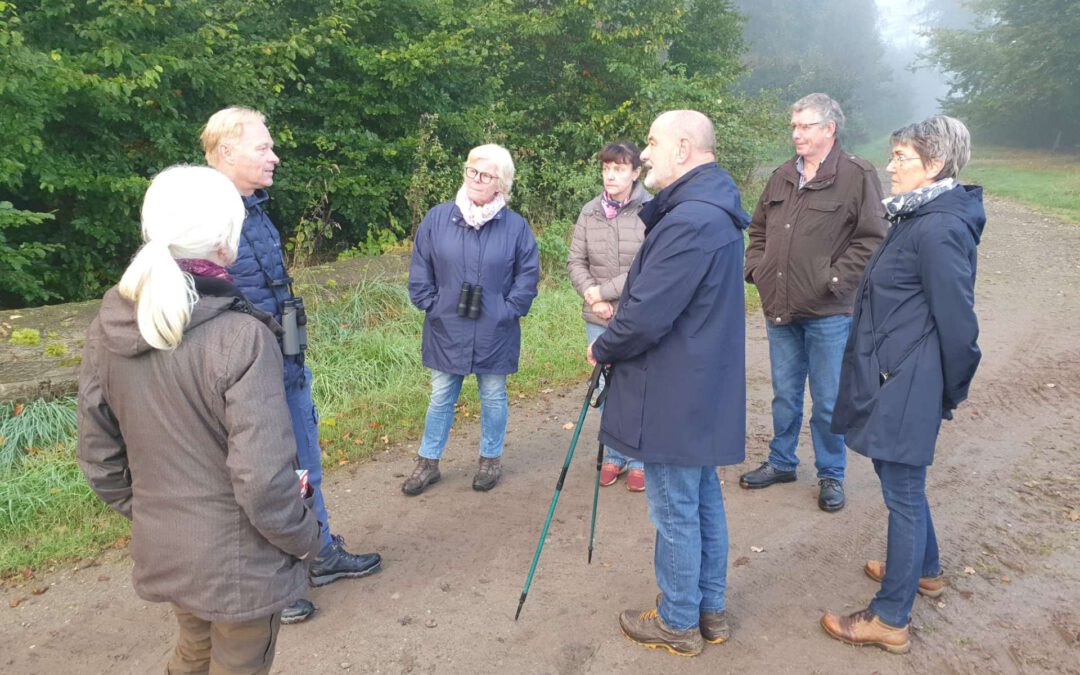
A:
[(863, 53)]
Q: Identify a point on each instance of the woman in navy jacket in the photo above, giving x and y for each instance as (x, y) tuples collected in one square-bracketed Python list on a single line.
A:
[(910, 358), (474, 270)]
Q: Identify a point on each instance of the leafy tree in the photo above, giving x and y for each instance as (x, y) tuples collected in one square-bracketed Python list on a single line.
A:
[(1014, 74)]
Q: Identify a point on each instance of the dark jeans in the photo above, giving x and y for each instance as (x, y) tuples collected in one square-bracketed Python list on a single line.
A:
[(912, 547), (305, 423)]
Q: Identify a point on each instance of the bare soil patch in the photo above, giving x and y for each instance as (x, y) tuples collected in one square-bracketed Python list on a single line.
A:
[(1005, 492)]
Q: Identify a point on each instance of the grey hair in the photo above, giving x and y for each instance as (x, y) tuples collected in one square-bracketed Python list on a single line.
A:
[(938, 137), (824, 105), (504, 163)]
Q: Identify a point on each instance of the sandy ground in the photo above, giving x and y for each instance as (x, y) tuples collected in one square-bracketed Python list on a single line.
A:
[(1005, 493)]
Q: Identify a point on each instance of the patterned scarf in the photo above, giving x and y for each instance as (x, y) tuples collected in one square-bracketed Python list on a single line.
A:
[(901, 205), (203, 268), (611, 206), (476, 216)]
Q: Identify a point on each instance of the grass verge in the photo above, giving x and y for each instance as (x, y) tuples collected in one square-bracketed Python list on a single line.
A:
[(1046, 182)]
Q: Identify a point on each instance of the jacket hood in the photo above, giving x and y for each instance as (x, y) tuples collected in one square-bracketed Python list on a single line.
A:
[(963, 201), (707, 183), (120, 329)]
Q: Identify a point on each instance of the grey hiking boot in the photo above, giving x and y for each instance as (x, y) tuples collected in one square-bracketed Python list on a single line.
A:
[(426, 473), (648, 629), (488, 474)]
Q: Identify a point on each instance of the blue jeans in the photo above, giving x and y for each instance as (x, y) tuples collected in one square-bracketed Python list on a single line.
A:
[(305, 424), (814, 348), (912, 550), (494, 410), (611, 455), (687, 508)]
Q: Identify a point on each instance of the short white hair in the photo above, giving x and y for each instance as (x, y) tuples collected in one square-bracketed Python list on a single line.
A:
[(504, 164), (824, 105)]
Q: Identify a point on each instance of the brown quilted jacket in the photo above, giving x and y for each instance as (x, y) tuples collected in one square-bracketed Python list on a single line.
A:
[(602, 249)]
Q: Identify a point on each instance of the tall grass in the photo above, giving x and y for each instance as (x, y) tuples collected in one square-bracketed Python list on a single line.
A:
[(32, 427)]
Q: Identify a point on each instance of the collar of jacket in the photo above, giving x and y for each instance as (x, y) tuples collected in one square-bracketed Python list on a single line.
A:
[(458, 219), (638, 196), (255, 198), (826, 173), (213, 287), (668, 198)]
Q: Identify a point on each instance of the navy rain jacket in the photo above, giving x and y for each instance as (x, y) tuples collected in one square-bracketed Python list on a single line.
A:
[(259, 272), (503, 258), (913, 347), (678, 386)]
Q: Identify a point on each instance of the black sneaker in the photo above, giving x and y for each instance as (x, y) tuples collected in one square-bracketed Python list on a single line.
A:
[(301, 610), (831, 495), (338, 563), (764, 476)]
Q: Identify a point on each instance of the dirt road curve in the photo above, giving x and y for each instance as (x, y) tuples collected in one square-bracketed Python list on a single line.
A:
[(1005, 492)]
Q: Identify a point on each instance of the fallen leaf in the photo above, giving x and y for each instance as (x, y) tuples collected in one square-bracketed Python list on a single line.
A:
[(18, 410), (568, 425), (970, 571), (38, 590), (104, 577), (521, 395), (757, 549), (741, 560), (1074, 516), (1005, 579), (431, 623), (1031, 483), (15, 602), (966, 595), (546, 391)]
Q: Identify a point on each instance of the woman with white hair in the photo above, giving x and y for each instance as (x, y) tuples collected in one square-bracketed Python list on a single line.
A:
[(184, 430), (475, 267), (910, 357)]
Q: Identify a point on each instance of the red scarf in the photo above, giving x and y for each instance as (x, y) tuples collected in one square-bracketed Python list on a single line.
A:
[(203, 268)]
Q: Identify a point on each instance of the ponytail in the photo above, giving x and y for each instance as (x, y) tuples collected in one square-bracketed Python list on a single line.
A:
[(188, 212), (164, 295)]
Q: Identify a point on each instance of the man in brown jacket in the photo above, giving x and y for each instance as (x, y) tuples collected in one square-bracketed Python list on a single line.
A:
[(815, 227)]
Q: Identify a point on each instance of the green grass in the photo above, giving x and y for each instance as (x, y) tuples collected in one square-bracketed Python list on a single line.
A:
[(34, 426), (1046, 182), (370, 387)]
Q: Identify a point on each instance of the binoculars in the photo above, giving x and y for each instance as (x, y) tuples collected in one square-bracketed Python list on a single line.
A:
[(468, 304), (294, 321)]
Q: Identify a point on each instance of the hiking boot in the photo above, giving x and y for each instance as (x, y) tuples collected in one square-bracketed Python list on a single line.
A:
[(764, 476), (609, 473), (648, 629), (426, 473), (931, 587), (830, 495), (865, 628), (635, 480), (301, 610), (713, 625), (488, 474), (337, 563)]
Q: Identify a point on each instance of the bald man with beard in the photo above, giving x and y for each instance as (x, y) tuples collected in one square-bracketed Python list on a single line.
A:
[(677, 390)]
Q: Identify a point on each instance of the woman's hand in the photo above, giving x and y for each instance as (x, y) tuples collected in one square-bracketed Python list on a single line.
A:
[(592, 295), (603, 309)]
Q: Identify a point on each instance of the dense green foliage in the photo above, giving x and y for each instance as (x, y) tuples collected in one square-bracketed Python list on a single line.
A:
[(373, 105), (1014, 73)]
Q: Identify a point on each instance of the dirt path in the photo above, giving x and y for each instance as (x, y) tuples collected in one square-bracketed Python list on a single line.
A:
[(1005, 492)]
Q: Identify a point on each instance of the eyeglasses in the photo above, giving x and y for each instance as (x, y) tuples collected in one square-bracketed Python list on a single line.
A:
[(472, 173), (806, 127), (900, 159)]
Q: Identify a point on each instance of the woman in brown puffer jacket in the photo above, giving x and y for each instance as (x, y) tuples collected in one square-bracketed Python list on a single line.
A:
[(607, 236), (183, 429)]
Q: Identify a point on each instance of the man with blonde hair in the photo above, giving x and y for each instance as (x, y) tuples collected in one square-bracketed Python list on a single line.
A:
[(238, 144)]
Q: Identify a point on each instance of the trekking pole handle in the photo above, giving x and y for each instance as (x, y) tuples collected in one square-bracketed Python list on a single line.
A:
[(594, 382)]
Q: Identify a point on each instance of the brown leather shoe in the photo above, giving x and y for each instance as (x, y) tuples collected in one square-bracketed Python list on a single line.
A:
[(713, 625), (931, 587), (649, 630), (865, 628), (426, 473)]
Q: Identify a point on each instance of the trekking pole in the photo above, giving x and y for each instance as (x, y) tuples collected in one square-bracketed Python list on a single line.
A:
[(593, 381), (599, 462)]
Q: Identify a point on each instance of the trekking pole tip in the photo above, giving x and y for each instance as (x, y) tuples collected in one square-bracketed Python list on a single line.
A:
[(521, 603)]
